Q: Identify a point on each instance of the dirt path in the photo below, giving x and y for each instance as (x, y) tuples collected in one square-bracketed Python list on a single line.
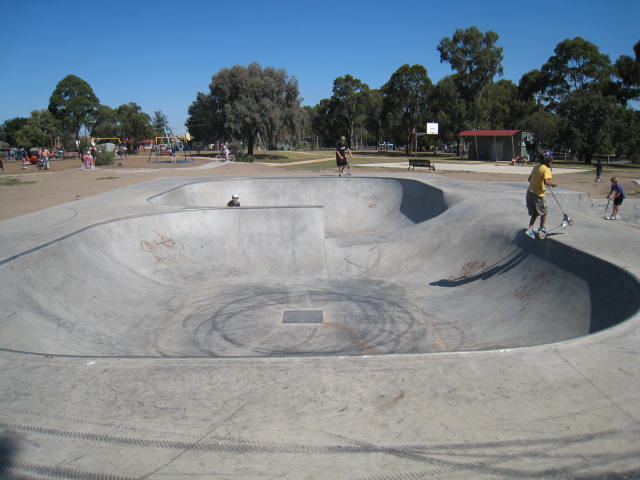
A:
[(32, 189)]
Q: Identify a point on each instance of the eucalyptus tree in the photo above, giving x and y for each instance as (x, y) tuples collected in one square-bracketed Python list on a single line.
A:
[(247, 101), (502, 106), (10, 127), (205, 122), (576, 84), (450, 109), (576, 65), (579, 89), (160, 123), (477, 60), (347, 104), (73, 103), (628, 71), (41, 129), (105, 122), (369, 126), (545, 124), (278, 98), (133, 123), (405, 102), (323, 124), (589, 122)]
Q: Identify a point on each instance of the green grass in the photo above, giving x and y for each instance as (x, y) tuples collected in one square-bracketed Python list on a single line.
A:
[(14, 181), (106, 178)]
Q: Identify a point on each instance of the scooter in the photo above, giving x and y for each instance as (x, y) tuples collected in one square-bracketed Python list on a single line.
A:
[(566, 220)]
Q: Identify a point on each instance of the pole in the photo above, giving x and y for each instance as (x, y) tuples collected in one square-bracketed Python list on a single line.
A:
[(475, 138)]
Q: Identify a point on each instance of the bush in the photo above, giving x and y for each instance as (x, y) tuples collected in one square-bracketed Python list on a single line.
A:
[(105, 158), (237, 149)]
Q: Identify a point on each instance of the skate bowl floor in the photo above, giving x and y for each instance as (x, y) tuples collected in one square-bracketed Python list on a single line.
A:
[(388, 327), (316, 266)]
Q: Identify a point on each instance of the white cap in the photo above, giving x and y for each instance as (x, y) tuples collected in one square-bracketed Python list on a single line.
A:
[(235, 195)]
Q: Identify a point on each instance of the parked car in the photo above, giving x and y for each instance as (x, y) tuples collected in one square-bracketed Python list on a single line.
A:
[(447, 148)]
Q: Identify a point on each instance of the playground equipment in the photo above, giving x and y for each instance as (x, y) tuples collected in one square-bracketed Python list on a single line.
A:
[(170, 146)]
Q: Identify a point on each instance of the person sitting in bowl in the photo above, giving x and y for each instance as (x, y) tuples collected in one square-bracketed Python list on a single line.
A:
[(234, 202)]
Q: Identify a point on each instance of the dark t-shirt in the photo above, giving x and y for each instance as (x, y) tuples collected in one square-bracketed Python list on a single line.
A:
[(231, 204), (341, 151)]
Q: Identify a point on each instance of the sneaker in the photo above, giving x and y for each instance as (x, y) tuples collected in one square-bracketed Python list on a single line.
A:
[(530, 233), (617, 217), (542, 232)]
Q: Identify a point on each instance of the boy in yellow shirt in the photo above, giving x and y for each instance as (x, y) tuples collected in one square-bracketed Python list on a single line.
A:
[(539, 179)]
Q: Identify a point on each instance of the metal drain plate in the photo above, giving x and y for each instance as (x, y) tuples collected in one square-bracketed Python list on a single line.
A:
[(302, 316)]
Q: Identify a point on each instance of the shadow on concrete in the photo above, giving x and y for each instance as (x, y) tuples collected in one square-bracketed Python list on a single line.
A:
[(501, 266), (8, 452), (420, 202), (614, 293)]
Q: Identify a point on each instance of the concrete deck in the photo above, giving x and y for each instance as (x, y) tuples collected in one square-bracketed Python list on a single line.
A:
[(141, 334), (474, 166)]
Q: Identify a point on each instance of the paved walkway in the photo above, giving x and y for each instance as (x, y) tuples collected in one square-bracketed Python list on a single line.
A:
[(482, 167)]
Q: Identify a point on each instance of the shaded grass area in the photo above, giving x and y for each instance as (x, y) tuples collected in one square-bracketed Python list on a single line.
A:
[(14, 181), (327, 164), (107, 178), (286, 157)]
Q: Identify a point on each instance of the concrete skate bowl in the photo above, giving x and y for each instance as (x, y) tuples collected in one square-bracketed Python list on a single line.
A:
[(366, 266)]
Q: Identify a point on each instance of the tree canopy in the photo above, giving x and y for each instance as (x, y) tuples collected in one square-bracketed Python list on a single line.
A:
[(245, 102), (628, 70), (73, 103), (477, 60), (406, 101), (40, 129)]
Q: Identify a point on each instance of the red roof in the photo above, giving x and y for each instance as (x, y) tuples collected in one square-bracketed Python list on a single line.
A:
[(489, 133)]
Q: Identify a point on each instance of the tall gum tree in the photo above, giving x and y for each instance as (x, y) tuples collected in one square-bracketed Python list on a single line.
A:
[(347, 103), (576, 64), (578, 87), (73, 103), (477, 60), (405, 102), (249, 100)]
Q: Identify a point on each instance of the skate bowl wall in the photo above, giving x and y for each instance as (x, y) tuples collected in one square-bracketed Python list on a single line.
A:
[(352, 206), (207, 282)]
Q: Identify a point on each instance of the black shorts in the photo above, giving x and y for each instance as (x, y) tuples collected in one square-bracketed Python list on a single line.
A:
[(341, 162), (618, 201)]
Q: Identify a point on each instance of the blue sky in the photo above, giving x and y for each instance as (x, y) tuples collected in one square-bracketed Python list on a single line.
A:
[(160, 54)]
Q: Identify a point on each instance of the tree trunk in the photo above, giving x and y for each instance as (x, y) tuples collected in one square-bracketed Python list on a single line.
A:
[(250, 143), (588, 156), (411, 139)]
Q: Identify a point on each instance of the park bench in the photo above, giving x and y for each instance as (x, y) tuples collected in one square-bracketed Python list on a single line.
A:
[(415, 162)]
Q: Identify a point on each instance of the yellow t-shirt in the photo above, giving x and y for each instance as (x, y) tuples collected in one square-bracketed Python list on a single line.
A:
[(536, 180)]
